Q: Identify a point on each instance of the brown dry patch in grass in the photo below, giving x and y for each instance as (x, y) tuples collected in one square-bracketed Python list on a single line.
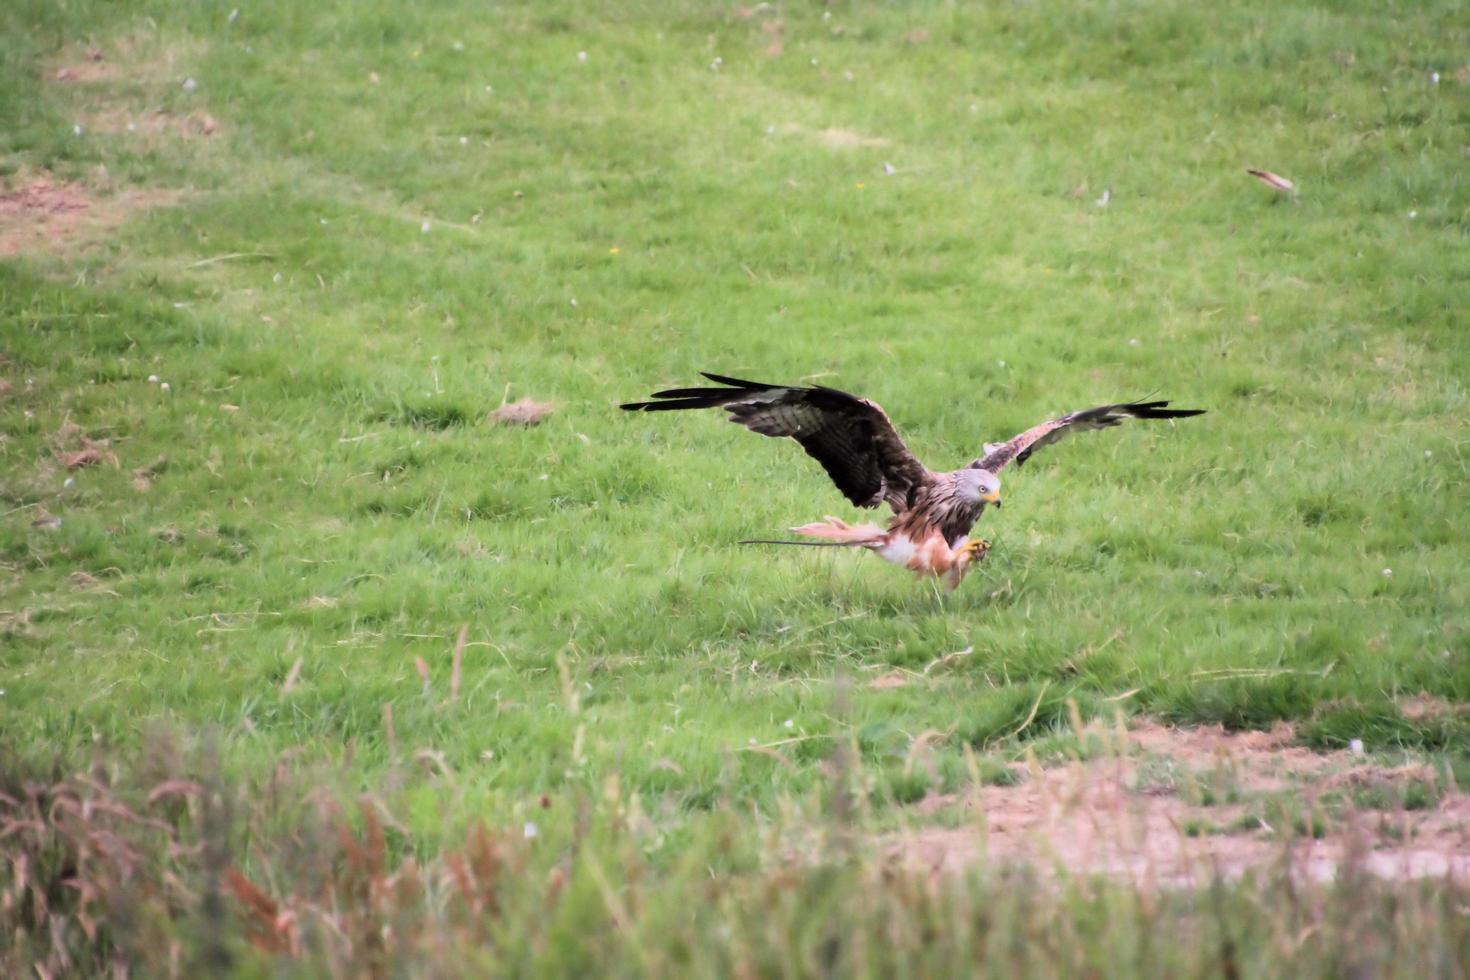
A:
[(835, 137), (43, 215), (844, 138), (526, 411), (118, 119), (82, 65), (142, 56), (115, 88), (1423, 707), (1131, 814)]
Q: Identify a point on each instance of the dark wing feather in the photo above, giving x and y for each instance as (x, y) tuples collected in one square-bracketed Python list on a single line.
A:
[(1103, 417), (851, 437)]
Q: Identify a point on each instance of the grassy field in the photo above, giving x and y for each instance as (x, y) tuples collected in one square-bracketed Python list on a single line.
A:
[(371, 224)]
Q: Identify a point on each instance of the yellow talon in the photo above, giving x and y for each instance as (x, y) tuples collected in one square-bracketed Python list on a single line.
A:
[(977, 549)]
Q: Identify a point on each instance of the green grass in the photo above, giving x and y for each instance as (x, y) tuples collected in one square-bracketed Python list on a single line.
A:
[(597, 229)]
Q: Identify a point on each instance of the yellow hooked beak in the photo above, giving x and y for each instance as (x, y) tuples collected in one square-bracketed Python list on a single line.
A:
[(993, 497)]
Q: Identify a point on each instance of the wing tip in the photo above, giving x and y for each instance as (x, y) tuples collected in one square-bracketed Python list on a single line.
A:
[(734, 382), (1160, 410)]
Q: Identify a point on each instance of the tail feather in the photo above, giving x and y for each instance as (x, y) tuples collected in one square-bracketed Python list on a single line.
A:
[(800, 544), (839, 531)]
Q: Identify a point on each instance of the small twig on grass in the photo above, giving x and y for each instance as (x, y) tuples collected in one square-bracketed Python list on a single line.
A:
[(767, 746), (772, 753), (232, 255), (949, 658), (1031, 715), (458, 662), (1257, 672), (292, 676), (388, 731)]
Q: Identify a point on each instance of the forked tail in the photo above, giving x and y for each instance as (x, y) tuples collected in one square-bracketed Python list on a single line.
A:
[(836, 533)]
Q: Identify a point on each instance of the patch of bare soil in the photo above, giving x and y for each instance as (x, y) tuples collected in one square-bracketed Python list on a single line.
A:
[(86, 66), (526, 411), (45, 215), (1179, 807), (841, 139), (154, 122)]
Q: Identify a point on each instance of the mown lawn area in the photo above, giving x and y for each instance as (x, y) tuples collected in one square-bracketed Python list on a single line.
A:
[(295, 255)]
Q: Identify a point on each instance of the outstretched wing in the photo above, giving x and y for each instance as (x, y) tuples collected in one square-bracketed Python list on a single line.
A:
[(1103, 417), (851, 437)]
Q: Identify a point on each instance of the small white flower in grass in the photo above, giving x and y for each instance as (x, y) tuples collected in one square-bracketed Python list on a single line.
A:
[(489, 89), (77, 130), (717, 64), (1434, 78), (847, 76), (164, 387), (1388, 573), (750, 742), (190, 85), (132, 127), (324, 220), (530, 831), (1356, 746), (234, 16), (1132, 341), (458, 45), (1000, 363), (788, 723), (1428, 453), (889, 169), (277, 278), (574, 301), (464, 141), (68, 483), (814, 62), (544, 476), (153, 379), (1106, 199), (581, 55), (30, 414), (425, 227)]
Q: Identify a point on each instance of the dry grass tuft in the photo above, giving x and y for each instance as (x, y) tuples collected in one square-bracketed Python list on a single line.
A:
[(526, 411)]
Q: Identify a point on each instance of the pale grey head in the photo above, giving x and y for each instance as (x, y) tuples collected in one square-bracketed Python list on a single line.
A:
[(979, 486)]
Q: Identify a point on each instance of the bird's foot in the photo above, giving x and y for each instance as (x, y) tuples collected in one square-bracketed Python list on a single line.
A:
[(976, 549)]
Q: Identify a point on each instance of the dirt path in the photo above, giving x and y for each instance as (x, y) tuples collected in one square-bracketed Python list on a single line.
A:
[(1179, 806)]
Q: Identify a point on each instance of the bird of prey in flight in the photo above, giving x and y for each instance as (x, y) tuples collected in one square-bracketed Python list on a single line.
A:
[(853, 439)]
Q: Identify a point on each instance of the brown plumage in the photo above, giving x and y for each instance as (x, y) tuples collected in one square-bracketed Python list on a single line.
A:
[(853, 439)]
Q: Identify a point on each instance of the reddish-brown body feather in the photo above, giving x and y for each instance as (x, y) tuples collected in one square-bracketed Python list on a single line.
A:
[(925, 553)]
